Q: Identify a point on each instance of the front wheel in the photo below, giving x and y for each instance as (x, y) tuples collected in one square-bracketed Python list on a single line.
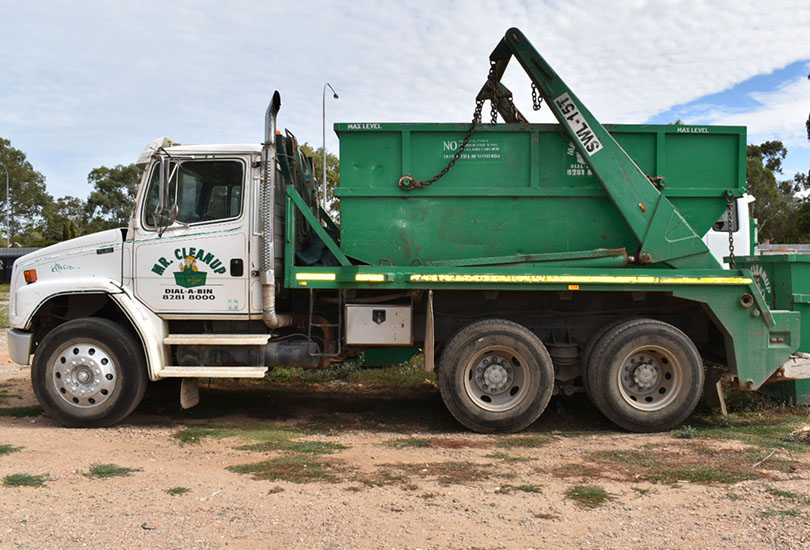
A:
[(645, 375), (495, 376), (89, 373)]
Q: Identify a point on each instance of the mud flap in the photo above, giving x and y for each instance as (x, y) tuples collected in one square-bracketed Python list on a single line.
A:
[(189, 392)]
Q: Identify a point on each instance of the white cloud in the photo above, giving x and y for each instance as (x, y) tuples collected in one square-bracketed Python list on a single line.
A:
[(779, 115), (90, 83)]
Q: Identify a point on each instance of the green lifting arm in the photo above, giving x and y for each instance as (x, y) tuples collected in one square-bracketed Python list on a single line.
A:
[(664, 235)]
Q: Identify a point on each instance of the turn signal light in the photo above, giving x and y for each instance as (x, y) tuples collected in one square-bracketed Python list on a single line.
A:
[(30, 275)]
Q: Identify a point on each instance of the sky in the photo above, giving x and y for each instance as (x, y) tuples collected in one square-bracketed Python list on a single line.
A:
[(90, 83)]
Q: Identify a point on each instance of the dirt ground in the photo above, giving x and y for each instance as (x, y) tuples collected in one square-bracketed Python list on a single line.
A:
[(351, 465)]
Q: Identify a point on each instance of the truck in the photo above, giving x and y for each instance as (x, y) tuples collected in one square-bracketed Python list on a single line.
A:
[(523, 259)]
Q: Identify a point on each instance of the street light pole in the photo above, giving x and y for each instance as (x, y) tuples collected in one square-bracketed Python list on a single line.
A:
[(323, 181), (8, 210)]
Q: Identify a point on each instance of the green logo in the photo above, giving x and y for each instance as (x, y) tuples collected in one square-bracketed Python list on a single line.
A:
[(189, 276)]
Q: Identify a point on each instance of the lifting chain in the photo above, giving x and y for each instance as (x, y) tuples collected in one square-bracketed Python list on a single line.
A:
[(729, 203), (537, 101), (408, 183)]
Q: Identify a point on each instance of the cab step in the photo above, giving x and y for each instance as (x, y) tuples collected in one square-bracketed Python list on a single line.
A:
[(216, 339), (212, 372)]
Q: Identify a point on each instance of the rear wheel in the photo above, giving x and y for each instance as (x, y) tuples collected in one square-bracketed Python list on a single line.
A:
[(89, 373), (585, 358), (645, 375), (495, 376)]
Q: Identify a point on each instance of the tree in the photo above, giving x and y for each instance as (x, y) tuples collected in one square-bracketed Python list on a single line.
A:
[(110, 203), (28, 196), (65, 218), (776, 203), (332, 175)]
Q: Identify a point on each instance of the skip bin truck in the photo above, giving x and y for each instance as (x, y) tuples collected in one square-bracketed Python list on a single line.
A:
[(522, 258)]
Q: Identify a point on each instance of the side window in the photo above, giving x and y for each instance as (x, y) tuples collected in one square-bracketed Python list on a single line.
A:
[(721, 225), (205, 191)]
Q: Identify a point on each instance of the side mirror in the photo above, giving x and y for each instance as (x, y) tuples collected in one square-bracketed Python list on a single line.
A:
[(165, 213)]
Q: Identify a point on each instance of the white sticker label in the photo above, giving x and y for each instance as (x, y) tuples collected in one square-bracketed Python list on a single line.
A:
[(477, 149), (579, 127)]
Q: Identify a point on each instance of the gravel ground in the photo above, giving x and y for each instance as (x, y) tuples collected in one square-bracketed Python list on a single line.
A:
[(407, 477)]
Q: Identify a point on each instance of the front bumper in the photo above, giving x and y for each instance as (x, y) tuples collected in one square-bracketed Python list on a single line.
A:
[(19, 346)]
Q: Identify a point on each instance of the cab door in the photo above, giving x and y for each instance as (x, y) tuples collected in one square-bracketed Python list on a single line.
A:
[(197, 266)]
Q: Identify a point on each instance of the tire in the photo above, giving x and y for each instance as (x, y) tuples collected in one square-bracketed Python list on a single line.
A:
[(89, 373), (585, 358), (495, 376), (645, 375)]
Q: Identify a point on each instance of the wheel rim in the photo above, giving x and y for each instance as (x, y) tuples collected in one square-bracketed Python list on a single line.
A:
[(649, 378), (84, 375), (495, 379)]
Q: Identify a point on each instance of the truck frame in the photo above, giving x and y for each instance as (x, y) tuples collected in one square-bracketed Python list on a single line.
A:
[(229, 267)]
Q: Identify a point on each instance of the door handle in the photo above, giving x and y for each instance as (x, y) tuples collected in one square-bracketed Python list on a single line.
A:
[(237, 267)]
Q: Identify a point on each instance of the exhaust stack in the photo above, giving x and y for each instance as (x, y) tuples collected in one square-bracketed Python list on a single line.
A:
[(267, 212)]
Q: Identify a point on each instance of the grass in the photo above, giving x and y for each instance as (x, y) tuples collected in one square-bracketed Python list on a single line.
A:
[(524, 441), (526, 488), (106, 471), (445, 473), (507, 457), (684, 432), (300, 447), (5, 394), (177, 491), (694, 465), (405, 442), (254, 431), (20, 412), (25, 480), (8, 449), (294, 468), (410, 374), (588, 496), (788, 495), (790, 512)]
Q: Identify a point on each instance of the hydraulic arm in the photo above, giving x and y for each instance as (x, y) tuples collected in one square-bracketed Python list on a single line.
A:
[(662, 232)]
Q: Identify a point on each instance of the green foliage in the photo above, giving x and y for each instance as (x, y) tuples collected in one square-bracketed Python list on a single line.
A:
[(295, 468), (260, 431), (301, 447), (5, 394), (110, 203), (403, 442), (27, 193), (8, 449), (177, 491), (684, 432), (105, 471), (526, 488), (774, 207), (21, 412), (587, 496), (781, 208), (64, 218), (332, 174), (25, 480), (524, 441), (506, 457)]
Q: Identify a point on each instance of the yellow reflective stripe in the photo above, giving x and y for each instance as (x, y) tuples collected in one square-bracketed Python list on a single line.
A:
[(370, 277), (314, 276), (578, 279)]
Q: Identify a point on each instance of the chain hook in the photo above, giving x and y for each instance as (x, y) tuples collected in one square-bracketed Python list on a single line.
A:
[(729, 203)]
